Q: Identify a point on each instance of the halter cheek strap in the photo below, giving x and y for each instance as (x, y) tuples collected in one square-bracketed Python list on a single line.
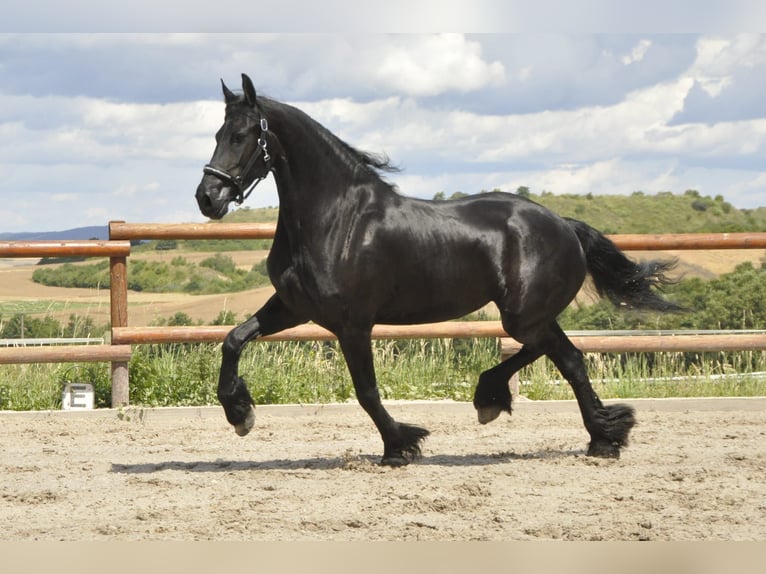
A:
[(236, 181)]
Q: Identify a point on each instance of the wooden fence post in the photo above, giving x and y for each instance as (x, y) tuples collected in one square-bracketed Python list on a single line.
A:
[(118, 294)]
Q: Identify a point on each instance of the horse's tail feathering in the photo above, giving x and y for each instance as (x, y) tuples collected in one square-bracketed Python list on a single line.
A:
[(624, 282)]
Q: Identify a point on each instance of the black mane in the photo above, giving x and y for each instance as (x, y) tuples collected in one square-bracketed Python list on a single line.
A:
[(377, 163)]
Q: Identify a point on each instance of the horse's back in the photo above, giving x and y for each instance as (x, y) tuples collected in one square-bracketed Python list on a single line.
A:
[(456, 256)]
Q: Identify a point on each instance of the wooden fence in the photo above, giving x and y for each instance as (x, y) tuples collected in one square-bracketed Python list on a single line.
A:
[(118, 355), (117, 249)]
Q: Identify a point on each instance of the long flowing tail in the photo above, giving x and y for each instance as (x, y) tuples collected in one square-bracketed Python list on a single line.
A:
[(625, 283)]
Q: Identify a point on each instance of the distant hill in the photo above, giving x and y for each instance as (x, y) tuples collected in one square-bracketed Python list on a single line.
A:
[(664, 212), (92, 232)]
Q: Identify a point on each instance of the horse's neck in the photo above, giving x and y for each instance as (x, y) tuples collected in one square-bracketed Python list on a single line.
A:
[(313, 173)]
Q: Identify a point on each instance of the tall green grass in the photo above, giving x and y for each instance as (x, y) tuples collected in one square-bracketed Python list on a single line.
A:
[(655, 375), (314, 372)]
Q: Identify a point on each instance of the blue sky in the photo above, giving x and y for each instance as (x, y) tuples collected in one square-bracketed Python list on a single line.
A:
[(102, 126)]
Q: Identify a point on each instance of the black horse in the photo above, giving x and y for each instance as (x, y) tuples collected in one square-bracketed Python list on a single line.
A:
[(350, 252)]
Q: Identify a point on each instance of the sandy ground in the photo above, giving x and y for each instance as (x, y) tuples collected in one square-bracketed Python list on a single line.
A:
[(696, 470)]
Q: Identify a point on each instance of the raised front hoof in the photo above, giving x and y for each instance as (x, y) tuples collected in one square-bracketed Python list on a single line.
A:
[(488, 414), (604, 450), (247, 425)]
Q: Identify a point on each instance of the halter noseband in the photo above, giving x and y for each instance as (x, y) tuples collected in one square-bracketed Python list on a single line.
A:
[(236, 181)]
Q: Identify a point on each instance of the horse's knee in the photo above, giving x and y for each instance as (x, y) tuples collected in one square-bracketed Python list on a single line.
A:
[(232, 346)]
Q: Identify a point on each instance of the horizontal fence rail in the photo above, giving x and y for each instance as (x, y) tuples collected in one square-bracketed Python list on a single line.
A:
[(689, 241), (627, 242), (40, 341), (66, 354), (640, 343), (598, 342), (68, 248), (136, 231), (309, 332), (117, 249)]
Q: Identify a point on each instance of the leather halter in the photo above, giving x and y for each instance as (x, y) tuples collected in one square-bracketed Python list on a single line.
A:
[(242, 191)]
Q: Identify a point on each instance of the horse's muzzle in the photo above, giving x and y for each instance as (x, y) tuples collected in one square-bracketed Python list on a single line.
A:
[(213, 202)]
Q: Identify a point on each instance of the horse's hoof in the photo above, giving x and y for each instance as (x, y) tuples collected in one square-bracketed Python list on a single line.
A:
[(246, 426), (488, 414), (394, 461), (601, 449)]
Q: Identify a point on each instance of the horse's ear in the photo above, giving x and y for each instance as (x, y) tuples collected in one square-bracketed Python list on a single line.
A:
[(228, 95), (247, 87)]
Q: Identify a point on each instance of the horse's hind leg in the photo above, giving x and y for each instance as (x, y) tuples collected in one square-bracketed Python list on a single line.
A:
[(608, 426), (493, 395), (232, 392), (401, 442)]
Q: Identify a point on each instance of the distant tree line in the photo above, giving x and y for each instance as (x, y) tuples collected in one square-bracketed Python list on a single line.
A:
[(215, 274)]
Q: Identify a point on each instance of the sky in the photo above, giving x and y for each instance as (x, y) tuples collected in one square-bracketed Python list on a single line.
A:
[(100, 126)]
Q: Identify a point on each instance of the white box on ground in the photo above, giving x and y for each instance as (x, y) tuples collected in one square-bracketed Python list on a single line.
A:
[(77, 396)]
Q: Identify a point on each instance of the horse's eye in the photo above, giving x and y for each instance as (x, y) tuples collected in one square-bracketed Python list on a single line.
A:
[(238, 138)]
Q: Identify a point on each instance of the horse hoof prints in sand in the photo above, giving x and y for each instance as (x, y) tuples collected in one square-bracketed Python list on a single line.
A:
[(350, 252)]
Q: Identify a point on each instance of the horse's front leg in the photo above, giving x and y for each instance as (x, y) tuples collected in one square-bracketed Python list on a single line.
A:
[(236, 400), (401, 442)]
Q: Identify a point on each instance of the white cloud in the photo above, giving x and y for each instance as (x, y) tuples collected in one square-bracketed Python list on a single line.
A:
[(637, 53), (567, 113), (88, 130), (430, 65), (727, 74)]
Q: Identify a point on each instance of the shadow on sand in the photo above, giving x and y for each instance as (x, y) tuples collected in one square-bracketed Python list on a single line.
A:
[(350, 462)]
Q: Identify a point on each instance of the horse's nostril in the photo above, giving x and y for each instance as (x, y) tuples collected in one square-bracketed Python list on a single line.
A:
[(203, 200)]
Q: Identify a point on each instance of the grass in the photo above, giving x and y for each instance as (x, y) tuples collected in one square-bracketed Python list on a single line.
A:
[(39, 306), (38, 386), (655, 375), (314, 372)]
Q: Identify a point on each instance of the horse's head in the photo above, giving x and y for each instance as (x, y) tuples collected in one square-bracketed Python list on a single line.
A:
[(241, 158)]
